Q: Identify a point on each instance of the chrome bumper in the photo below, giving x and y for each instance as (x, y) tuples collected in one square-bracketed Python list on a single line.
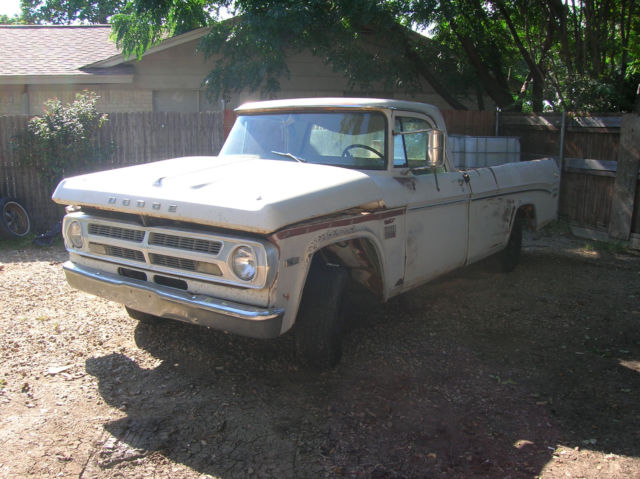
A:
[(170, 303)]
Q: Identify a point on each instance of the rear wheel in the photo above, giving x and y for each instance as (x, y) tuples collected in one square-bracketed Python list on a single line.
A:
[(318, 329), (510, 256), (142, 317), (14, 219)]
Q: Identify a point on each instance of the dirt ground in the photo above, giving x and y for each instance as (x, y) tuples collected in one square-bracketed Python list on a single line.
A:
[(535, 373)]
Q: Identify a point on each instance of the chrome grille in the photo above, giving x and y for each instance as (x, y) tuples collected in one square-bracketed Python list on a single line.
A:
[(116, 232), (172, 262), (185, 243), (157, 249), (117, 251)]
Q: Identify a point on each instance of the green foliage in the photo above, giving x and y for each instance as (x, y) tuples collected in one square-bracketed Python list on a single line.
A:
[(63, 139), (66, 12), (15, 20), (532, 55), (611, 247), (140, 25)]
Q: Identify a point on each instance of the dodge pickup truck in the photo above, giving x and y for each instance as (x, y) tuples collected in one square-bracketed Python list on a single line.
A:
[(305, 197)]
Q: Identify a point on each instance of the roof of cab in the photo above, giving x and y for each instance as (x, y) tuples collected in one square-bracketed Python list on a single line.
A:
[(339, 102)]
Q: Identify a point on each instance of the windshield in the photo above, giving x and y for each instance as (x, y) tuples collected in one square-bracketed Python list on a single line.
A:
[(347, 139)]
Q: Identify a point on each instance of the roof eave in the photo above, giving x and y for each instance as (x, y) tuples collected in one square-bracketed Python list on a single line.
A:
[(66, 79), (164, 45)]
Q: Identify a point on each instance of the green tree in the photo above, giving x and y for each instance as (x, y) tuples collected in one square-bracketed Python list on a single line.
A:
[(576, 55), (64, 12), (531, 54), (15, 20), (521, 54)]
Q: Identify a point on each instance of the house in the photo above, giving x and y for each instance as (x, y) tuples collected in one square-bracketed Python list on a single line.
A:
[(44, 61)]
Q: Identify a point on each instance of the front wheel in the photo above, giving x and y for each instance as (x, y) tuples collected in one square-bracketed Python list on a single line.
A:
[(318, 329)]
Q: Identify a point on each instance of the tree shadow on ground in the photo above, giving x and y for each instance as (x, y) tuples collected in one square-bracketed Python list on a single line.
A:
[(477, 375)]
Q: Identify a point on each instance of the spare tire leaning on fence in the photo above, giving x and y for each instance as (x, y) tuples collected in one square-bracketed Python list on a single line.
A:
[(14, 219)]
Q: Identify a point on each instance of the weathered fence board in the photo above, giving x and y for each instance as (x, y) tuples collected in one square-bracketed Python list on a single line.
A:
[(624, 192), (586, 199), (586, 136), (468, 122), (137, 138), (142, 137)]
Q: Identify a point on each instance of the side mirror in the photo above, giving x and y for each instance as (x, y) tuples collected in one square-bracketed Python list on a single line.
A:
[(435, 148), (424, 149)]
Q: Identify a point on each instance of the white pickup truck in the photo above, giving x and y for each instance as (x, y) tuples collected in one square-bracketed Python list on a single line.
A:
[(305, 196)]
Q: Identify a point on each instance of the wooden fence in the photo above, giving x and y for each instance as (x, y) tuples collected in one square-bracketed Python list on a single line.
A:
[(588, 145), (586, 190), (136, 138)]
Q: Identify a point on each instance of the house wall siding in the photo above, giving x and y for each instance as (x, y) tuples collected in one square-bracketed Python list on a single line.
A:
[(181, 69), (11, 99), (113, 98), (171, 80), (21, 100), (177, 68)]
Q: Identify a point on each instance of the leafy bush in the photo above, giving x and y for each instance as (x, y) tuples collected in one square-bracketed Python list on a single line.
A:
[(63, 140)]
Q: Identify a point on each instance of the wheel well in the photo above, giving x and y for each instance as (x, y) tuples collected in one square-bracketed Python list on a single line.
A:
[(360, 257)]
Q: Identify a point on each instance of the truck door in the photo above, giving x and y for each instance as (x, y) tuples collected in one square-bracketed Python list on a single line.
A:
[(438, 201)]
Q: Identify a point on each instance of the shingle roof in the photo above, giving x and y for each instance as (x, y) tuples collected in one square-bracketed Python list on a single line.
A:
[(38, 50)]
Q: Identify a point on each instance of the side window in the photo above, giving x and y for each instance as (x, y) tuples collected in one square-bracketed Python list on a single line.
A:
[(410, 150), (413, 150), (399, 153)]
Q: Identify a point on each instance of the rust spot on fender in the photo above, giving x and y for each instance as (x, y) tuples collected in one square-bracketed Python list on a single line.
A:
[(354, 220)]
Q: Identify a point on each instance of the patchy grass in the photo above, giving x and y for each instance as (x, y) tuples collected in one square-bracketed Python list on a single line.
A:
[(556, 228), (25, 243), (18, 243), (613, 247)]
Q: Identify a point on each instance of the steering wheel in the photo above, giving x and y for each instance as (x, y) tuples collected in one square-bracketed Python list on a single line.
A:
[(345, 152)]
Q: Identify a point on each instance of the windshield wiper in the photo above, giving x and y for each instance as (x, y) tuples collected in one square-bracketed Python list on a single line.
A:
[(290, 155)]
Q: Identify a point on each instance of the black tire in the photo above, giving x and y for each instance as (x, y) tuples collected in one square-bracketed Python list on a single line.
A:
[(142, 317), (318, 329), (510, 256), (14, 219)]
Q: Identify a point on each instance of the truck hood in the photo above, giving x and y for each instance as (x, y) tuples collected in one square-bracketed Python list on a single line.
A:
[(243, 193)]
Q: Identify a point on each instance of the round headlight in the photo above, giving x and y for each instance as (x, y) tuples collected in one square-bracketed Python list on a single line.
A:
[(243, 262), (74, 233)]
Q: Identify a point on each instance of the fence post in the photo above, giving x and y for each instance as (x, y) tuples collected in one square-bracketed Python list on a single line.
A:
[(624, 189), (562, 134)]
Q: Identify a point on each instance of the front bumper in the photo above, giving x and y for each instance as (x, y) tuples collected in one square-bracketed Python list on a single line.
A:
[(151, 298)]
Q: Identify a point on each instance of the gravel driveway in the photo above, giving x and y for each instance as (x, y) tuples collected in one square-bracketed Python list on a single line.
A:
[(480, 374)]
